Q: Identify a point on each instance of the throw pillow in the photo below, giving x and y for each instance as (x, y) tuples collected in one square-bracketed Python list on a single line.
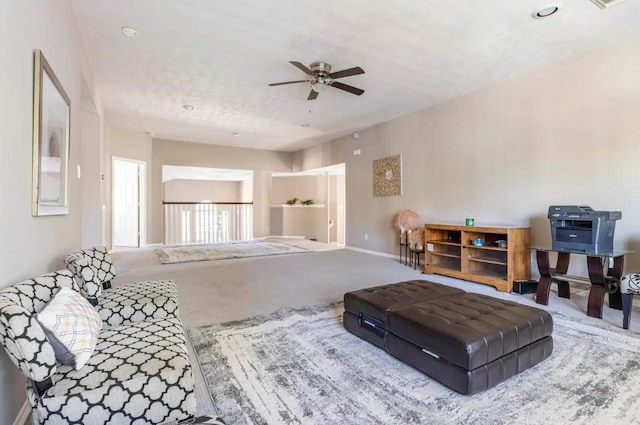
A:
[(72, 326)]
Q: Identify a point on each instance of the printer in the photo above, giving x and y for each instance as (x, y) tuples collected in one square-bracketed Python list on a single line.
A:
[(580, 228)]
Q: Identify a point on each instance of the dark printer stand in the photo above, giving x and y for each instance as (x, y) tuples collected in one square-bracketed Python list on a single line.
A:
[(600, 281)]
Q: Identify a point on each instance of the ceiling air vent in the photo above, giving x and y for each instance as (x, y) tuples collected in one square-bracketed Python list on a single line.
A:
[(606, 3)]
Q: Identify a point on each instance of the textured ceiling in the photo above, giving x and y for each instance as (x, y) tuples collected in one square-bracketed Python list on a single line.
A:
[(219, 56)]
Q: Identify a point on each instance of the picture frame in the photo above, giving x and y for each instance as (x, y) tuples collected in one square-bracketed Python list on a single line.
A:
[(51, 127), (387, 176)]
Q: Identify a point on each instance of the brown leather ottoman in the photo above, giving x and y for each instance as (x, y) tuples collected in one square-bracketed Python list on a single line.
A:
[(469, 342), (365, 309)]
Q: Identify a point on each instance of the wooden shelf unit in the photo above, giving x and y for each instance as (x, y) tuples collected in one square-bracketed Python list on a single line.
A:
[(450, 251)]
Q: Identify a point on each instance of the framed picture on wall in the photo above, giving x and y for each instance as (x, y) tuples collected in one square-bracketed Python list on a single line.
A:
[(51, 119), (387, 176)]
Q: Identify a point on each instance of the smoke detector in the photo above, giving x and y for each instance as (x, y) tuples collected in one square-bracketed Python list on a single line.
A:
[(602, 4)]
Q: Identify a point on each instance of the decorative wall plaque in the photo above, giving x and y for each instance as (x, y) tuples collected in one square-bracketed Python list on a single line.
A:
[(387, 176)]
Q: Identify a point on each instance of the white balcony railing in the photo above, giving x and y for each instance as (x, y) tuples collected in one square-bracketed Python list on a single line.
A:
[(187, 223)]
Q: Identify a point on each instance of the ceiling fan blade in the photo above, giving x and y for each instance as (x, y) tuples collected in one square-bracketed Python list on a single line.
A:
[(287, 82), (347, 72), (312, 95), (347, 87), (301, 67)]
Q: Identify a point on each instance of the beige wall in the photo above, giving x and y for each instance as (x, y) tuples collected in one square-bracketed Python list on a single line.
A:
[(309, 222), (168, 152), (35, 245), (201, 190), (91, 183), (566, 134), (301, 187), (246, 190), (336, 209), (301, 221)]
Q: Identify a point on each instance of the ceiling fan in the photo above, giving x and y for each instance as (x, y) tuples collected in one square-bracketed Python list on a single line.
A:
[(319, 75)]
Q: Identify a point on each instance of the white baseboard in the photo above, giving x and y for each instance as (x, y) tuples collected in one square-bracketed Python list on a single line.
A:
[(23, 414), (280, 237), (368, 251), (378, 253)]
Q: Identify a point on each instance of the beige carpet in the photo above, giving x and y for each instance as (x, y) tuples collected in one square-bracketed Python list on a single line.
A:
[(219, 291)]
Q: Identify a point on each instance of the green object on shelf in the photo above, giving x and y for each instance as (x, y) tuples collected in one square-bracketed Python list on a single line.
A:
[(469, 222), (293, 201)]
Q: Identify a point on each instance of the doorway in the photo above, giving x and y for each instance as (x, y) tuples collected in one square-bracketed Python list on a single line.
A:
[(128, 202)]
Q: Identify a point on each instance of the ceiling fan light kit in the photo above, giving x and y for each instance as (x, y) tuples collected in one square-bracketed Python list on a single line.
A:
[(319, 86), (319, 76)]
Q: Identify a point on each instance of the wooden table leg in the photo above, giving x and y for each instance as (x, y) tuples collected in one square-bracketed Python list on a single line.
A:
[(544, 285), (615, 296), (546, 278), (598, 286), (562, 266)]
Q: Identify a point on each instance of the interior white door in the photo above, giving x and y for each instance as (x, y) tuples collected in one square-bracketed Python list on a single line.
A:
[(126, 203)]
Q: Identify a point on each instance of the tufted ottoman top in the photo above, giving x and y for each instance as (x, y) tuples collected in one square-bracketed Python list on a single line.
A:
[(376, 301), (469, 330)]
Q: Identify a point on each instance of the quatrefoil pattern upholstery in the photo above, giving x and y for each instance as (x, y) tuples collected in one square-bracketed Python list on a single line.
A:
[(139, 373), (154, 299), (20, 333), (121, 304), (92, 267), (629, 286)]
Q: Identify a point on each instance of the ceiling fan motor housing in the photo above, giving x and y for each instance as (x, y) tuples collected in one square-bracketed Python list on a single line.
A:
[(320, 68)]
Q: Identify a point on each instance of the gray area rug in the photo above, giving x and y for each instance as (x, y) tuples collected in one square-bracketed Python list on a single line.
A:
[(223, 251), (302, 367)]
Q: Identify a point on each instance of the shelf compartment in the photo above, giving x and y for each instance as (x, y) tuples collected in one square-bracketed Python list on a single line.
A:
[(492, 273), (445, 254), (488, 248), (453, 266), (443, 235), (488, 269), (489, 239), (489, 256), (487, 261), (443, 242), (448, 250), (448, 262)]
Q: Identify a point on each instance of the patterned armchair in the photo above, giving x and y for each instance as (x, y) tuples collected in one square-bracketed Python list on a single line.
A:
[(629, 286), (94, 270), (137, 373)]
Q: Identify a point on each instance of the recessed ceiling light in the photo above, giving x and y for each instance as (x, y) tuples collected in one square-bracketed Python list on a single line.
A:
[(305, 124), (148, 133), (188, 107), (235, 134), (129, 32), (546, 11)]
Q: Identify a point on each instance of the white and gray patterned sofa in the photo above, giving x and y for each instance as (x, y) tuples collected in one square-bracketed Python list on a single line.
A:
[(94, 270), (138, 373)]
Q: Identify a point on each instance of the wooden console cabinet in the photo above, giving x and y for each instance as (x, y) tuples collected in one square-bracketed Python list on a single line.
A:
[(450, 251)]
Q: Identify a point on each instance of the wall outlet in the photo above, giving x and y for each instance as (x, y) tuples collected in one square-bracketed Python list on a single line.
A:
[(366, 236), (356, 152)]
